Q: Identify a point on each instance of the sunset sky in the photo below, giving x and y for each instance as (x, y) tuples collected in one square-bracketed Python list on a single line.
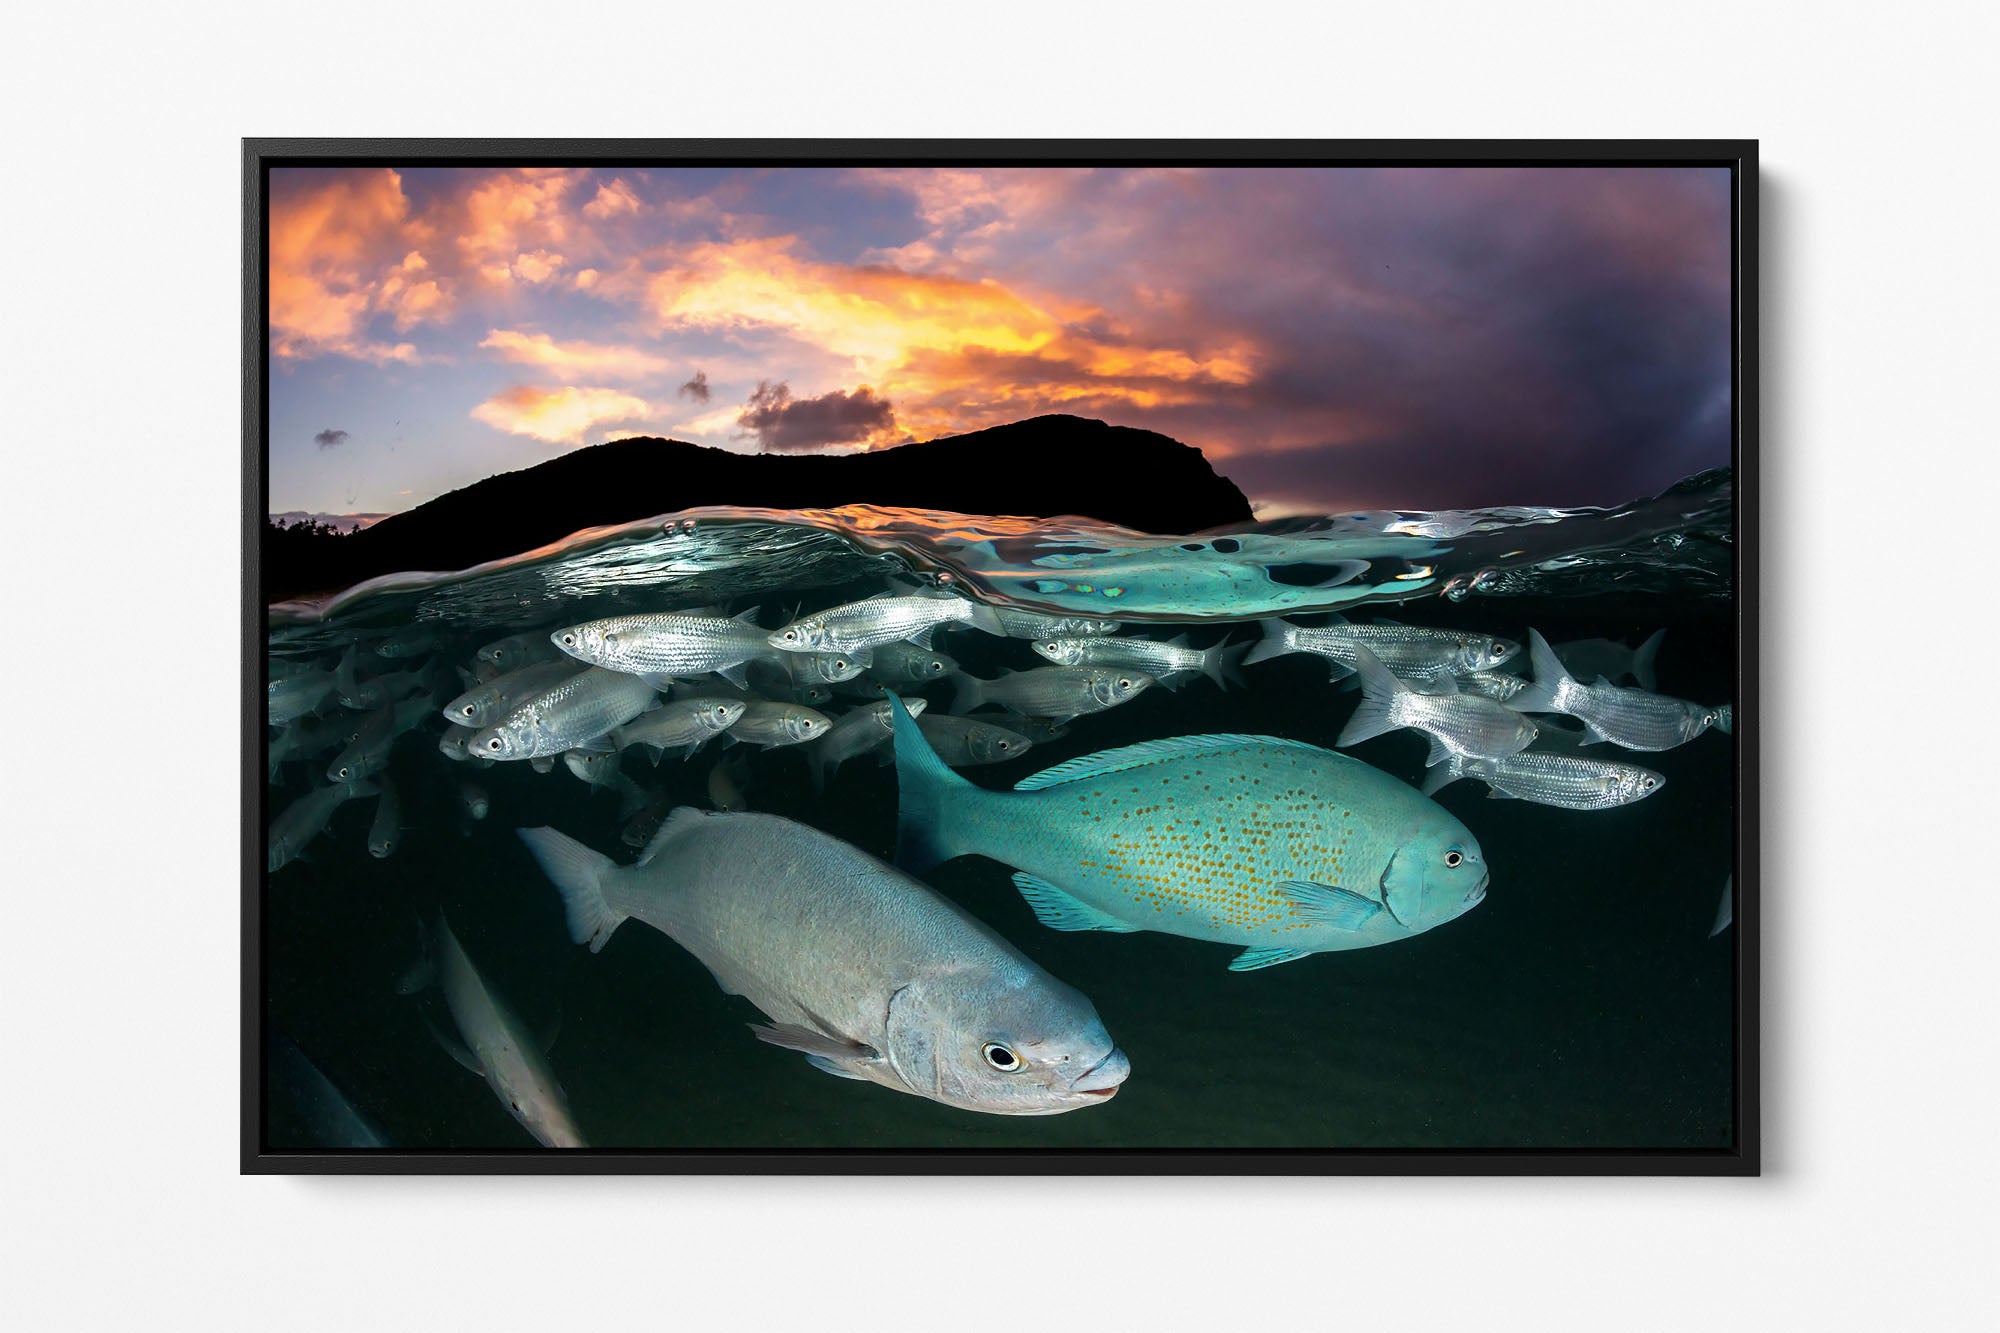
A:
[(1330, 338)]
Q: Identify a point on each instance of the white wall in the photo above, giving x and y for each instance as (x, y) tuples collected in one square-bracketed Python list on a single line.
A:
[(120, 1195)]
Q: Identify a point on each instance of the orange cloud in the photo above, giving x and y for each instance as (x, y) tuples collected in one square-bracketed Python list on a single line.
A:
[(342, 253), (559, 416), (574, 360), (612, 199), (515, 224), (940, 346)]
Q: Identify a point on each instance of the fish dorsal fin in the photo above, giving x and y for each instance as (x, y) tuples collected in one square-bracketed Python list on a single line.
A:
[(1442, 683), (675, 823), (747, 617), (1145, 753), (1059, 910)]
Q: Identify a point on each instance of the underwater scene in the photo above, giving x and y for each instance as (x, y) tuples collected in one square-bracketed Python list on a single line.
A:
[(892, 828)]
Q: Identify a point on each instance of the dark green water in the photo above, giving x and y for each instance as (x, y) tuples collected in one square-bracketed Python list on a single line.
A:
[(1581, 1005)]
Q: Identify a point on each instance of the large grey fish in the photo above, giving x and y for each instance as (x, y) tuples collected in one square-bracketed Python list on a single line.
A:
[(1551, 779), (1277, 846), (1590, 658), (904, 664), (689, 721), (665, 645), (1057, 692), (301, 694), (1634, 719), (1416, 654), (385, 834), (497, 1046), (860, 968), (1159, 659), (1018, 624), (885, 618), (1463, 724), (323, 1109), (967, 742), (580, 709), (853, 733), (305, 819), (484, 704), (765, 722)]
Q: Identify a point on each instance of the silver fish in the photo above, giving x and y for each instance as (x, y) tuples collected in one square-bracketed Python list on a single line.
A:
[(1495, 685), (860, 968), (1158, 659), (767, 723), (1725, 908), (581, 708), (600, 771), (1018, 624), (411, 641), (681, 721), (856, 732), (452, 744), (1414, 653), (726, 782), (1633, 719), (385, 835), (667, 645), (368, 753), (1590, 658), (518, 650), (289, 698), (907, 664), (305, 819), (965, 742), (1057, 692), (473, 799), (497, 1045), (304, 739), (882, 619), (484, 704), (1551, 779), (1462, 724), (355, 693)]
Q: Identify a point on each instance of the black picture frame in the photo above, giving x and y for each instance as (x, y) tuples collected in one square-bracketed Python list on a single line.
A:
[(261, 156)]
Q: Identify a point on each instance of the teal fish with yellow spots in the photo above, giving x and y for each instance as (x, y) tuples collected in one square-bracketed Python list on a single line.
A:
[(1277, 846)]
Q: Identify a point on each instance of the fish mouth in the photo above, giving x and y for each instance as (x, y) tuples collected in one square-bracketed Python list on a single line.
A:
[(1478, 894), (1102, 1079)]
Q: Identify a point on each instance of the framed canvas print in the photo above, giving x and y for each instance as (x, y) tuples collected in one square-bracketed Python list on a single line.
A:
[(904, 656)]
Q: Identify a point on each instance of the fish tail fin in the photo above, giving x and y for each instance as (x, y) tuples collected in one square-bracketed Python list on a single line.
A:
[(1643, 658), (968, 692), (985, 618), (1277, 641), (1220, 662), (1375, 714), (925, 792), (1544, 693), (579, 875), (1443, 775)]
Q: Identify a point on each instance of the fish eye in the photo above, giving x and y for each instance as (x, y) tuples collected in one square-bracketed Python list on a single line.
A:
[(1006, 745), (1454, 858), (1499, 650), (569, 640), (468, 710), (343, 771), (1124, 682), (1000, 1057), (493, 744), (936, 665), (1645, 784)]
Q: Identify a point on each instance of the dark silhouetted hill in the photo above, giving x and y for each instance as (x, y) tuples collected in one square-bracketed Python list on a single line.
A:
[(1044, 467)]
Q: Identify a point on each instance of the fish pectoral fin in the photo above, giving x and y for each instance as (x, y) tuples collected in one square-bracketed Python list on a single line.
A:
[(1252, 959), (1495, 794), (1059, 910), (835, 1067), (453, 1047), (793, 1037), (1326, 905)]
